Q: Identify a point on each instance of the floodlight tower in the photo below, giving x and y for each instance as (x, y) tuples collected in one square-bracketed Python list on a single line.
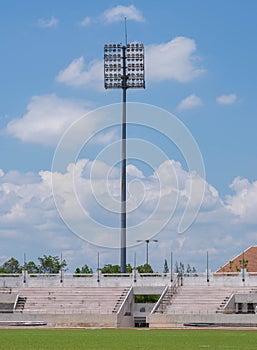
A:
[(124, 69)]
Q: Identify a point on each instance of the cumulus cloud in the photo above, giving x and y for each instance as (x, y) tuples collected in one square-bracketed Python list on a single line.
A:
[(134, 171), (77, 74), (118, 13), (151, 199), (244, 200), (226, 99), (47, 23), (223, 227), (190, 102), (46, 119), (173, 60)]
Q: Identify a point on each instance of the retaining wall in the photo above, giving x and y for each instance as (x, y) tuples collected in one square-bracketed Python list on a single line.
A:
[(176, 320)]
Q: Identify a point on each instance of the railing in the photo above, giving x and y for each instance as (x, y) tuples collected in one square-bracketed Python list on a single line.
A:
[(135, 278), (79, 280), (126, 299), (16, 301), (160, 300), (174, 286)]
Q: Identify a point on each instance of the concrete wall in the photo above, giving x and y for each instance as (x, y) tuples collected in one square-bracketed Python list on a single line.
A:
[(167, 321), (65, 320), (150, 290), (136, 280), (246, 298), (125, 313), (140, 306), (68, 280)]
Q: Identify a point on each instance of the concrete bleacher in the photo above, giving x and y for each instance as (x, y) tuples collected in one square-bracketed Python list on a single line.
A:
[(202, 306), (201, 299), (72, 300), (108, 301)]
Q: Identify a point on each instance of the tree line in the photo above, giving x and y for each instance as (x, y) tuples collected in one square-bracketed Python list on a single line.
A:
[(47, 264), (54, 264)]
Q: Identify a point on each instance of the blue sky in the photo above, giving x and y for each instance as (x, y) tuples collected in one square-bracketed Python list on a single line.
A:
[(200, 66)]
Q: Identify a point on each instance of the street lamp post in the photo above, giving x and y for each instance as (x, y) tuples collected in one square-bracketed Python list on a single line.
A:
[(207, 267), (123, 69), (147, 241), (243, 267)]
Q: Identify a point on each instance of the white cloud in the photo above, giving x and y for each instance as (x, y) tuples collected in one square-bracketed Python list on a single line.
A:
[(244, 201), (190, 102), (118, 13), (223, 229), (47, 23), (106, 138), (134, 171), (226, 99), (173, 60), (47, 118), (77, 74), (86, 22)]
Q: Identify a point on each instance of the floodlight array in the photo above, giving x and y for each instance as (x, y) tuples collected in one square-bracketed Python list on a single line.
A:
[(124, 66)]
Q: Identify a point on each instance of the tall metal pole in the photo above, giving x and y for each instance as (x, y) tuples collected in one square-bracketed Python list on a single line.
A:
[(147, 241), (123, 167), (147, 251), (24, 268), (207, 263), (243, 267), (135, 264), (171, 267), (98, 267), (123, 68), (61, 279)]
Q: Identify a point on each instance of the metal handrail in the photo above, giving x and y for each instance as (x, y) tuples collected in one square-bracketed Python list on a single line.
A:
[(160, 300), (124, 301)]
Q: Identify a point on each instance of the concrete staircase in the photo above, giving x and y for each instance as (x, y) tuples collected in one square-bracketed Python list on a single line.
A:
[(166, 301), (120, 300), (20, 304)]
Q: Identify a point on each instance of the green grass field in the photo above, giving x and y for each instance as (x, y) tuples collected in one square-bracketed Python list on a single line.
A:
[(31, 339)]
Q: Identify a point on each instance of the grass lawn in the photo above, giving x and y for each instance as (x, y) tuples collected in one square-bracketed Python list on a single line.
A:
[(31, 339)]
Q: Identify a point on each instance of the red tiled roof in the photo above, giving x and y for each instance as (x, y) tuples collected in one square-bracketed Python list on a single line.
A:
[(236, 264)]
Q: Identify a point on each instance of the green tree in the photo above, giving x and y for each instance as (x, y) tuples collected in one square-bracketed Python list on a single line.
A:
[(146, 268), (31, 267), (231, 262), (194, 272), (129, 268), (109, 268), (11, 266), (244, 264), (179, 268), (51, 264), (84, 269), (189, 270), (165, 267)]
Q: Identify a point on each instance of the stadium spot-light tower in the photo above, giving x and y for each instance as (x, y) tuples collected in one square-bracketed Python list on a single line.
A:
[(124, 69)]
